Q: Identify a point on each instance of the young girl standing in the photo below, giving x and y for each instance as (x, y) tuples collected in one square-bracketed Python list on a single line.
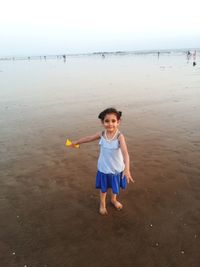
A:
[(113, 163)]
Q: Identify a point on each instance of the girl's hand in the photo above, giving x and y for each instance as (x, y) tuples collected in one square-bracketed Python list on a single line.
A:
[(74, 144), (128, 176)]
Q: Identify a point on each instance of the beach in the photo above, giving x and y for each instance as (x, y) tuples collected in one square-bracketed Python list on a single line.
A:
[(49, 204)]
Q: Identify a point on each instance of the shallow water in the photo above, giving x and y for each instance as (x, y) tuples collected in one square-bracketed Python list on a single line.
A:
[(38, 97)]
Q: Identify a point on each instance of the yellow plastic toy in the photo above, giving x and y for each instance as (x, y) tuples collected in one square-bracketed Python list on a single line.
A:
[(69, 143)]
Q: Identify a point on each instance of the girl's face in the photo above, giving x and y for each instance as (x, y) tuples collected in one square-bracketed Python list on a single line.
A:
[(111, 123)]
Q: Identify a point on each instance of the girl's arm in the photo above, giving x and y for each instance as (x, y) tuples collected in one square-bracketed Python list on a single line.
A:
[(86, 139), (125, 154)]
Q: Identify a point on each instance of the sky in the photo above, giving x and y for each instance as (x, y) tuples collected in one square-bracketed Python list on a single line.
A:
[(41, 27)]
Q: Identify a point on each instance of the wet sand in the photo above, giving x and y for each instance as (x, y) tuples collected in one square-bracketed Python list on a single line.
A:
[(49, 206)]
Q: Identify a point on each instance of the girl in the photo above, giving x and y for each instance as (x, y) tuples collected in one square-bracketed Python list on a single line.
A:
[(113, 163)]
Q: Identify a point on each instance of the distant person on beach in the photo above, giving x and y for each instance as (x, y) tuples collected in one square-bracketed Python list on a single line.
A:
[(188, 55), (64, 58), (194, 57), (113, 163)]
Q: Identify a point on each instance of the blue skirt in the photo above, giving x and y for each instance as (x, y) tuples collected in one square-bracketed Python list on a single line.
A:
[(114, 181)]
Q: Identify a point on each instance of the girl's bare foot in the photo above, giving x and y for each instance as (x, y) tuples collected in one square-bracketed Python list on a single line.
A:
[(103, 210), (117, 204)]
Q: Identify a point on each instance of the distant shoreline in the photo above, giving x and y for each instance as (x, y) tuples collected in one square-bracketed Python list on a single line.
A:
[(99, 53)]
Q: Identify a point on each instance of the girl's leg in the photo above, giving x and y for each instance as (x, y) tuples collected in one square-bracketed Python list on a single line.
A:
[(102, 208), (115, 202)]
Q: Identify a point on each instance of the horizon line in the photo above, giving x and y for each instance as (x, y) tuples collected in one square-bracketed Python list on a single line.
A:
[(143, 51)]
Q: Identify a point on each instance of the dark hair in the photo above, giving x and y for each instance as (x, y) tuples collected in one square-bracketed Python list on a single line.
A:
[(110, 111)]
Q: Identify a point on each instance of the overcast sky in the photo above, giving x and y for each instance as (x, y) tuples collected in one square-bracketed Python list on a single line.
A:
[(34, 27)]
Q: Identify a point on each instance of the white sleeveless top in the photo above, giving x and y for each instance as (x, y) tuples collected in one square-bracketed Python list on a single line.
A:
[(110, 158)]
